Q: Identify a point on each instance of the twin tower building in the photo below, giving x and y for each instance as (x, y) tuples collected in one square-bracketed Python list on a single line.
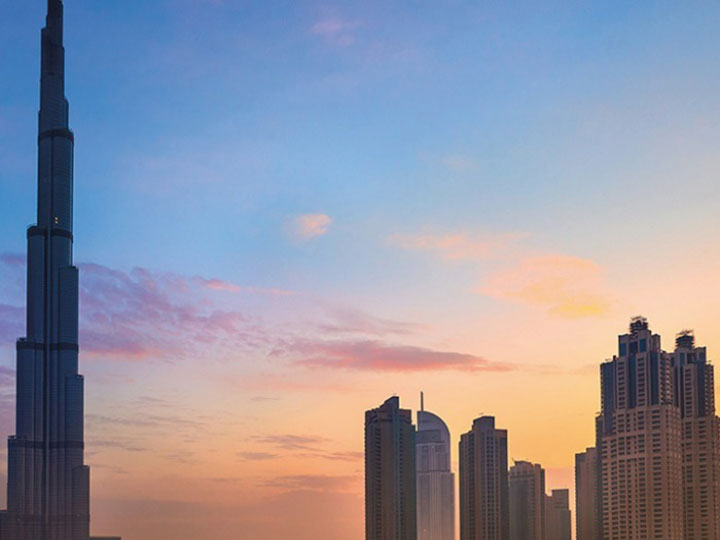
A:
[(654, 472), (410, 489)]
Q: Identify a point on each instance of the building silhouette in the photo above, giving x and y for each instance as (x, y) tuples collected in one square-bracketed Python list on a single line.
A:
[(484, 506), (48, 481), (390, 471), (526, 482), (657, 463), (588, 515), (435, 480), (639, 441), (558, 519), (695, 397)]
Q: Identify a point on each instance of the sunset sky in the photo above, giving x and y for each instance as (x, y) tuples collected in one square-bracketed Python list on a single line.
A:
[(288, 210)]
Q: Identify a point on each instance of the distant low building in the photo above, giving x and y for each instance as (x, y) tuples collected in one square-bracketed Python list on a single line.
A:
[(527, 501), (558, 519), (587, 496)]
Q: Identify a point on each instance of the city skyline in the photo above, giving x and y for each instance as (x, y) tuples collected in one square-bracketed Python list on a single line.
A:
[(291, 211)]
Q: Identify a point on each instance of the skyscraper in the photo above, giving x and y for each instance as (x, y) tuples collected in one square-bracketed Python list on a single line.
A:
[(48, 481), (435, 481), (558, 520), (390, 504), (639, 441), (484, 512), (527, 501), (587, 495), (695, 397)]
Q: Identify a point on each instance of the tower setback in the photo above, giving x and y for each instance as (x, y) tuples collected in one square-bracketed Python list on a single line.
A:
[(48, 481)]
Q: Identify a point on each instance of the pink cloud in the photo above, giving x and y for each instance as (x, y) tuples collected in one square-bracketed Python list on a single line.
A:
[(566, 286), (310, 226), (378, 356)]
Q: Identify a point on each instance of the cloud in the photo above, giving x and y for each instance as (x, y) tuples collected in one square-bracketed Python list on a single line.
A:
[(567, 286), (353, 321), (7, 377), (460, 163), (313, 482), (310, 226), (379, 356), (256, 456), (13, 259), (458, 246), (291, 442), (12, 323), (114, 444), (335, 30), (303, 446)]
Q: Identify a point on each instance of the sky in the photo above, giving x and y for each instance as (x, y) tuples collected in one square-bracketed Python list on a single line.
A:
[(288, 211)]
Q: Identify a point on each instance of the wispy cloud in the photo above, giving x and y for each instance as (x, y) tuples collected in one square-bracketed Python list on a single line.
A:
[(379, 356), (313, 482), (566, 286), (310, 226), (457, 246), (335, 30), (256, 456), (291, 442)]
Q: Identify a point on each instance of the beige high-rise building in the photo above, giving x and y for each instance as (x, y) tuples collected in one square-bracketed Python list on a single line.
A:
[(639, 441), (526, 483), (695, 398), (484, 509), (558, 519), (587, 495)]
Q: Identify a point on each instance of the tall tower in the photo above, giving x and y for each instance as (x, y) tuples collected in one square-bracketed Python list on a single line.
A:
[(484, 513), (48, 482), (527, 501), (639, 441), (435, 481), (695, 397), (390, 504)]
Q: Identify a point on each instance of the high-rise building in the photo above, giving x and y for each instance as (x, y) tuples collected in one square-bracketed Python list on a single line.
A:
[(587, 495), (695, 397), (390, 503), (435, 481), (558, 520), (48, 481), (526, 483), (484, 511), (638, 439)]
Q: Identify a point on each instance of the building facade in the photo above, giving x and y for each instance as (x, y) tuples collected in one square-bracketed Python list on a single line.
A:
[(484, 505), (558, 518), (435, 480), (48, 481), (526, 482), (390, 473), (587, 496), (695, 398), (639, 441)]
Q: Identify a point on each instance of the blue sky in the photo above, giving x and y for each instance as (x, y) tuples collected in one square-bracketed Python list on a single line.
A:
[(510, 181)]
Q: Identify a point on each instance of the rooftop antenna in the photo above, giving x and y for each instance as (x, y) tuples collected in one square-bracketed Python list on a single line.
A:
[(422, 401)]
